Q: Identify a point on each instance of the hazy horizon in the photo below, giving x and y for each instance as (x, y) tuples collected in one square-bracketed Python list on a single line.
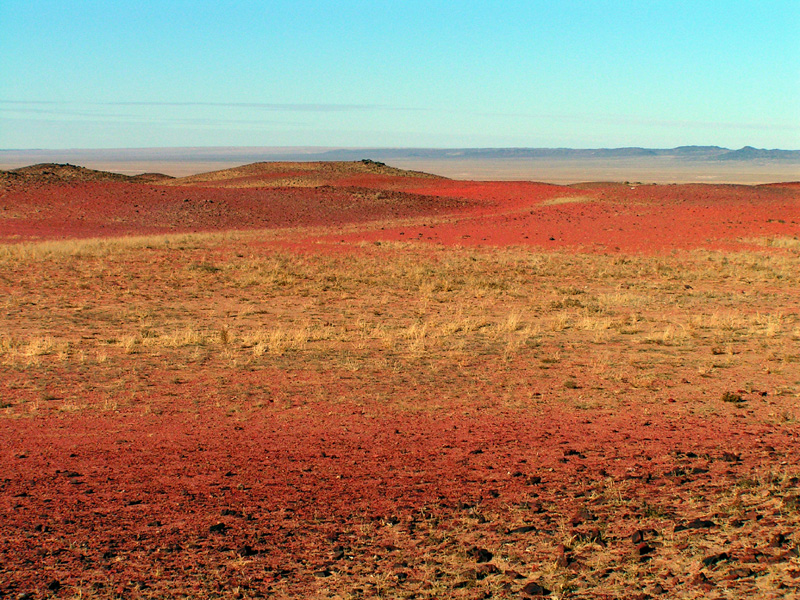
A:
[(567, 169)]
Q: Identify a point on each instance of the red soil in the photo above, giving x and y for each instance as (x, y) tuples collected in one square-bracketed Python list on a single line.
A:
[(100, 503), (605, 217), (594, 217)]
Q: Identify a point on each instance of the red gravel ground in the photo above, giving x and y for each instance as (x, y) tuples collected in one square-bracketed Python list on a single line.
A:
[(376, 476)]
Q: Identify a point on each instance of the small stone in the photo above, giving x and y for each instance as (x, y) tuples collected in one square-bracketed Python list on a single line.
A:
[(481, 555), (659, 589), (581, 516), (322, 573), (523, 529), (483, 571), (777, 540), (562, 557), (643, 549), (750, 556), (715, 558), (533, 589), (593, 535), (54, 585), (701, 580), (637, 537), (220, 528), (512, 574), (247, 551), (700, 524), (738, 573)]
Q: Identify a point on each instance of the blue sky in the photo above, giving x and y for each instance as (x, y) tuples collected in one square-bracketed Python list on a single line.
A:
[(96, 74)]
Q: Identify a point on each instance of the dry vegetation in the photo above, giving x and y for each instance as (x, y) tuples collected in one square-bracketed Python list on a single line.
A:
[(617, 322)]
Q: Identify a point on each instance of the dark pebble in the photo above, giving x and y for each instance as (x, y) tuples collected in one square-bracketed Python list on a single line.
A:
[(715, 558), (533, 589), (523, 529), (481, 555), (218, 528)]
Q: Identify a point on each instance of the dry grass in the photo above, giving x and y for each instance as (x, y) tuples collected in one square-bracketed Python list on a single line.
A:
[(222, 300), (567, 200)]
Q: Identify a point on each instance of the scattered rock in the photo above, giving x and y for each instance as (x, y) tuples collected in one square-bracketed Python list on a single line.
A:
[(512, 574), (483, 571), (592, 535), (659, 589), (637, 537), (220, 528), (581, 516), (777, 540), (247, 551), (54, 585), (322, 573), (732, 397), (701, 580), (643, 550), (715, 558), (750, 556), (738, 573), (523, 529), (562, 556), (481, 555), (533, 589), (696, 524)]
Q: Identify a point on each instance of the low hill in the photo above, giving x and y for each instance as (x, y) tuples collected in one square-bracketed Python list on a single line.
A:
[(298, 174), (47, 173)]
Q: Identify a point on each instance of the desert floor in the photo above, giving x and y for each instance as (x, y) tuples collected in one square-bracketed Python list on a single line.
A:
[(350, 381)]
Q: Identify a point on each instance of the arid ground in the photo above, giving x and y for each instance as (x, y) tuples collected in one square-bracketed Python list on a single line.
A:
[(343, 380)]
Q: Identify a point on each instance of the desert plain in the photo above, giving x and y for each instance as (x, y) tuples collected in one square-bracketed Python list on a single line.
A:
[(345, 380)]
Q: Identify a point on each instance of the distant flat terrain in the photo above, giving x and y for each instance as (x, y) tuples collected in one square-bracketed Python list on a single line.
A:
[(679, 165)]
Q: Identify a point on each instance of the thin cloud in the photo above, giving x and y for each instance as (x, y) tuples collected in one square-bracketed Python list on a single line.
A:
[(267, 106)]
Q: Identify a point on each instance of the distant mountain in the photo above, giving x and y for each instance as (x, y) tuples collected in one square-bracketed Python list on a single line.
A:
[(750, 153), (689, 153)]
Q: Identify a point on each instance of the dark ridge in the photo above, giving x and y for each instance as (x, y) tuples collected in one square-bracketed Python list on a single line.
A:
[(750, 153), (53, 173)]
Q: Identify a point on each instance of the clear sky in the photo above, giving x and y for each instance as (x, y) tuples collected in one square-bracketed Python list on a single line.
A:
[(434, 73)]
